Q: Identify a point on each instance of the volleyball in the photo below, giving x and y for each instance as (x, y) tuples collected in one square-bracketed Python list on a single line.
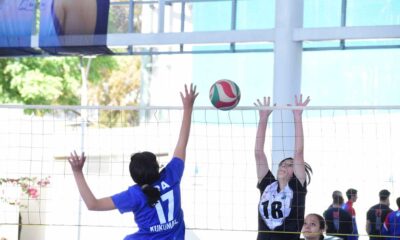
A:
[(224, 94)]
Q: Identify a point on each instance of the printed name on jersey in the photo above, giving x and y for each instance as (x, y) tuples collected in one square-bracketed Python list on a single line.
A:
[(165, 226)]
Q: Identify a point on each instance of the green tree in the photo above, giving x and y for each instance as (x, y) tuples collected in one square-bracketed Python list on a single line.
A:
[(119, 18), (48, 81), (113, 81), (121, 88)]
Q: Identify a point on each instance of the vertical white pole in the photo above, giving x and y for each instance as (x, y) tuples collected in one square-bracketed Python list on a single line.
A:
[(287, 76), (161, 15), (233, 21), (84, 102)]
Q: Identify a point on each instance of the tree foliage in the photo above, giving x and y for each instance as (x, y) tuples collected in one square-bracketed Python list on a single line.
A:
[(119, 18), (122, 88), (48, 81), (112, 81)]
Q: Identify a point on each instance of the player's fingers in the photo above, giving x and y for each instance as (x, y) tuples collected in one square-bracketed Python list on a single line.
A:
[(186, 90), (307, 101), (194, 88)]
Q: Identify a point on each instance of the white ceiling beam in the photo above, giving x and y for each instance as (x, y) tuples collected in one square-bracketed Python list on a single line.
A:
[(145, 39), (346, 33), (239, 36)]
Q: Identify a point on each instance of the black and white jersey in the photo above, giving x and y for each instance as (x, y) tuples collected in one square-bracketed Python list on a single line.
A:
[(275, 206), (280, 210)]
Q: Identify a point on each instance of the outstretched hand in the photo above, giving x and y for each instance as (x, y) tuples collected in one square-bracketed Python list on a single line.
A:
[(189, 96), (264, 113), (76, 161), (299, 103)]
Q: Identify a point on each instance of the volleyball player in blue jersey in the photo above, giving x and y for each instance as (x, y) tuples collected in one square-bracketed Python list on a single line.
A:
[(155, 199), (282, 202)]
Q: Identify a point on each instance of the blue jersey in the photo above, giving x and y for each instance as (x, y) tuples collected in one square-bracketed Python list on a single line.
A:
[(391, 227), (165, 220), (16, 22)]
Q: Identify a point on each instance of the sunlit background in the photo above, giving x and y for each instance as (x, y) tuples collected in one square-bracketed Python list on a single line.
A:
[(352, 128)]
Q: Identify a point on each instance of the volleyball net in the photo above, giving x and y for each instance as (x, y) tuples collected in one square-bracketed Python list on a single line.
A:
[(347, 147)]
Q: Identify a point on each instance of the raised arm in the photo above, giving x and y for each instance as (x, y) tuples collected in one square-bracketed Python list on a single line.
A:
[(298, 161), (92, 203), (188, 99), (261, 158)]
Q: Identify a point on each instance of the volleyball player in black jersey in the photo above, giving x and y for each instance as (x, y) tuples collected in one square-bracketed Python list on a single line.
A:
[(282, 201)]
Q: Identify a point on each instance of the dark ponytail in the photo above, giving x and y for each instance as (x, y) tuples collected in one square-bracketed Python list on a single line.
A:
[(144, 170), (152, 194)]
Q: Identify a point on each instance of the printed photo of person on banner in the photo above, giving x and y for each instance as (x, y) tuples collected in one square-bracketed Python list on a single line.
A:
[(69, 27)]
